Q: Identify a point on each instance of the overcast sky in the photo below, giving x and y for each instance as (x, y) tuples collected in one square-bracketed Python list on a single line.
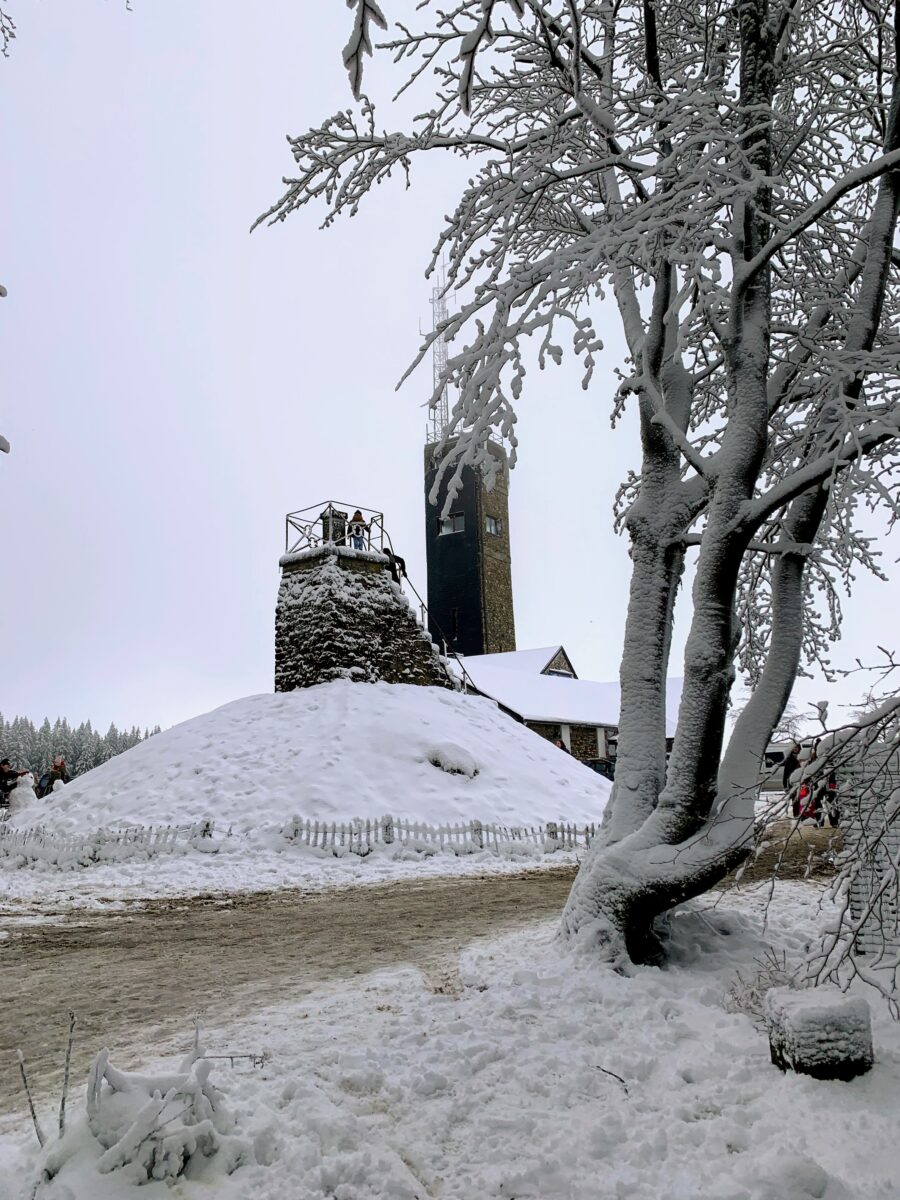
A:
[(172, 385)]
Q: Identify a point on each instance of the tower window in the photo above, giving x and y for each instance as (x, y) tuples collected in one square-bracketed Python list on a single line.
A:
[(455, 523), (492, 525)]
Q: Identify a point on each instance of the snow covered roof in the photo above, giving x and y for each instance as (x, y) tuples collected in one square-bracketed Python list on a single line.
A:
[(532, 661), (553, 698)]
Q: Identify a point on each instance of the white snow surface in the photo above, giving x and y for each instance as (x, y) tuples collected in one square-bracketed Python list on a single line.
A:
[(525, 1072), (333, 752)]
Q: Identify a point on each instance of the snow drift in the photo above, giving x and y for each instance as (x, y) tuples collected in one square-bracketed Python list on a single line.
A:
[(333, 752)]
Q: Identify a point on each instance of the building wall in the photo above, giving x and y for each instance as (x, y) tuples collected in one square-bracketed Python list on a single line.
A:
[(496, 571), (583, 741), (545, 729), (470, 603)]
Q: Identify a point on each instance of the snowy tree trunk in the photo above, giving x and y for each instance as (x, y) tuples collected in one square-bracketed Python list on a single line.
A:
[(676, 852), (641, 752)]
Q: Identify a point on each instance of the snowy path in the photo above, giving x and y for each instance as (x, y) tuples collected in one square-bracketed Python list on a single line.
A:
[(519, 1071), (139, 976)]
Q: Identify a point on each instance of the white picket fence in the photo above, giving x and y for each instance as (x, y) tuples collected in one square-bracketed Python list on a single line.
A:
[(360, 837), (42, 844)]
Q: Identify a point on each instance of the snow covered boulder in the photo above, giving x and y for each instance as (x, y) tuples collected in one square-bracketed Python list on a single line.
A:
[(819, 1031)]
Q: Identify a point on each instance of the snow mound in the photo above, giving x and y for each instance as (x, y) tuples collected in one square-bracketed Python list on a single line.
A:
[(333, 752)]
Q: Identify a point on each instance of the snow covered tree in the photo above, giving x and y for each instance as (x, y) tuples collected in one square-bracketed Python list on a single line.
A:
[(728, 173), (82, 748)]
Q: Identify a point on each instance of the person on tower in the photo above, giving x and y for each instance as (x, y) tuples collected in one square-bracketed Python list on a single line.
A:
[(358, 529), (396, 565)]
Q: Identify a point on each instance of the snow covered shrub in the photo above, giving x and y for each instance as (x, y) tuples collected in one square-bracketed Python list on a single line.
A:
[(453, 758), (747, 993), (163, 1127)]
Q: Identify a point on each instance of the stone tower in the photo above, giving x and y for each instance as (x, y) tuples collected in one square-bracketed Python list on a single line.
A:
[(470, 603), (342, 615)]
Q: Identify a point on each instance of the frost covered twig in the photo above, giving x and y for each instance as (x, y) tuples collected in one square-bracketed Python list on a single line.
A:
[(7, 32), (25, 1084), (65, 1087)]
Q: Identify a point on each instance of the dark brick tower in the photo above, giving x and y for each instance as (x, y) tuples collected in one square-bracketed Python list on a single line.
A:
[(470, 603)]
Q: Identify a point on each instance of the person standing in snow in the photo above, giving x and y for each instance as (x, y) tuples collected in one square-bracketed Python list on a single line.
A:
[(358, 529), (791, 794), (58, 772), (561, 745), (791, 764)]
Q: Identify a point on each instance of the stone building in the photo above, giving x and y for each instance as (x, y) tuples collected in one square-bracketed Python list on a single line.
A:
[(341, 614), (470, 600)]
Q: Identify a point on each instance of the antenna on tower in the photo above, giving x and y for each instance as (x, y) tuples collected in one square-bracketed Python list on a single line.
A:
[(440, 413)]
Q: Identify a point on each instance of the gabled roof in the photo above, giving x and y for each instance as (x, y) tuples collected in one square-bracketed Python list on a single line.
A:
[(532, 696)]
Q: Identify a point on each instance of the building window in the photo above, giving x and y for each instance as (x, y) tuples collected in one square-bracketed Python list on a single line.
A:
[(455, 523), (492, 525)]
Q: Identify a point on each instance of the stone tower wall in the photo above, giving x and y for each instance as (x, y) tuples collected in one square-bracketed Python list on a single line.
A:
[(341, 616), (496, 564)]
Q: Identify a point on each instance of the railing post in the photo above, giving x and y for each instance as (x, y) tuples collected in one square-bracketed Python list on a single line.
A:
[(388, 826)]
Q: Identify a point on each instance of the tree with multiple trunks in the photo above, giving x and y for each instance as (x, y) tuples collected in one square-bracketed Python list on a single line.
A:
[(727, 173)]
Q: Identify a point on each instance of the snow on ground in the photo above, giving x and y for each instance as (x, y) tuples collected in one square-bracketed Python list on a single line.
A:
[(328, 753), (526, 1072), (333, 752), (243, 867)]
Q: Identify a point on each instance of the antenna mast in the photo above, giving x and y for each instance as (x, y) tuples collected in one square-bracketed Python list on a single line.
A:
[(440, 414)]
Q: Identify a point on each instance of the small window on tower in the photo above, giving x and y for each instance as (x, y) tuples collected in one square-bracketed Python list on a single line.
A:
[(492, 525), (455, 523)]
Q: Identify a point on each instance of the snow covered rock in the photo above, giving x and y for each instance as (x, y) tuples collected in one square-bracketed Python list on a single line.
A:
[(341, 616), (819, 1031)]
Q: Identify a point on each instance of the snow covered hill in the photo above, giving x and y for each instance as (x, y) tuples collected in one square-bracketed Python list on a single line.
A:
[(333, 752)]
